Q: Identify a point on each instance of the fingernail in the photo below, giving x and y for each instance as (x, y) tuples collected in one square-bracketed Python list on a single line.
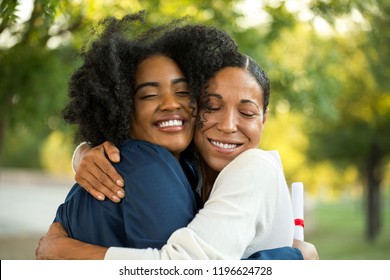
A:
[(121, 194), (101, 197), (120, 183), (116, 199), (115, 157)]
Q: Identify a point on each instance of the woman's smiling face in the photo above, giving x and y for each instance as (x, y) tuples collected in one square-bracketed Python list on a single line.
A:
[(162, 112), (236, 120)]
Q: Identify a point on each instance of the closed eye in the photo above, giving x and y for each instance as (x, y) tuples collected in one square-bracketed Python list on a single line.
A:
[(247, 114), (148, 96)]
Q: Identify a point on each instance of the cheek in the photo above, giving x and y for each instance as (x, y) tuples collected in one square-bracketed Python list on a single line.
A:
[(253, 132), (192, 121), (200, 138), (197, 138), (202, 124), (141, 114), (140, 122), (136, 110)]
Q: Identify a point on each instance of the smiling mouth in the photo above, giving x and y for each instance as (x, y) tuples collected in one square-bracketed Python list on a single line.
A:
[(224, 145), (170, 123)]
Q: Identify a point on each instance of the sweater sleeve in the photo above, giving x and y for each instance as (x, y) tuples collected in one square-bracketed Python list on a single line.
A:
[(241, 205)]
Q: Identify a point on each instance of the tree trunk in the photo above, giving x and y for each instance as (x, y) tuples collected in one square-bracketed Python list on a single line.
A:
[(374, 178), (2, 137)]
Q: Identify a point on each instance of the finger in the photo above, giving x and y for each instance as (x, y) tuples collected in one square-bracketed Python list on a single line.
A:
[(92, 173), (97, 163), (97, 190), (99, 195), (106, 169), (111, 151), (84, 179), (98, 156), (105, 182)]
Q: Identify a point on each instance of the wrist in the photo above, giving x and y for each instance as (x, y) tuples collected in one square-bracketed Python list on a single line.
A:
[(72, 249), (77, 154)]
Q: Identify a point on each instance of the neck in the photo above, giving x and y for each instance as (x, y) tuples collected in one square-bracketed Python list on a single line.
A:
[(176, 155)]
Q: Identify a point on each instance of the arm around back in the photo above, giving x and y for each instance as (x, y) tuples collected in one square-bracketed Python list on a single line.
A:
[(238, 211)]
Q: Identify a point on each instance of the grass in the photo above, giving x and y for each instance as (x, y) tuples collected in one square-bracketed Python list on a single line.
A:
[(338, 232)]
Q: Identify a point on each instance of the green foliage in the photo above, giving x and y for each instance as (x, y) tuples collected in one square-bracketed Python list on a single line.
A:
[(20, 147), (33, 83), (7, 12), (361, 99)]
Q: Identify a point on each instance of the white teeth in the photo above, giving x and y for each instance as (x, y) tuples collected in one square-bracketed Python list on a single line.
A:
[(171, 123), (222, 145)]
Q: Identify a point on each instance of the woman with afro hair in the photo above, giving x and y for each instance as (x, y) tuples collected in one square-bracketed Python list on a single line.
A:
[(114, 97)]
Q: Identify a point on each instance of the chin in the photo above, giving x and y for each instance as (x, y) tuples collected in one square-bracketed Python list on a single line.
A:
[(219, 166)]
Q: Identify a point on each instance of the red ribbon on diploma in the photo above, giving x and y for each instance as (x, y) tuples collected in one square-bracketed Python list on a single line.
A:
[(299, 222)]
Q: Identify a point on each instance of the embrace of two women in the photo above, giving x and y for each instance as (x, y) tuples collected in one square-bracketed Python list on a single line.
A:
[(182, 112)]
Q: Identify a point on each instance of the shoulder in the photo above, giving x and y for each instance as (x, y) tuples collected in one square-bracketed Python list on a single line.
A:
[(254, 170), (141, 159), (139, 150), (74, 192), (256, 157)]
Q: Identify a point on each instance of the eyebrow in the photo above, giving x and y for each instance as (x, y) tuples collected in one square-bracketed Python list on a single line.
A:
[(250, 101), (156, 84), (243, 101)]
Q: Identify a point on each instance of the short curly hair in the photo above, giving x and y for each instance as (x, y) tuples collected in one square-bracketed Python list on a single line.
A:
[(101, 91)]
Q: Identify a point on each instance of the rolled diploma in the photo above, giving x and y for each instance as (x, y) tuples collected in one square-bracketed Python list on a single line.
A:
[(297, 204)]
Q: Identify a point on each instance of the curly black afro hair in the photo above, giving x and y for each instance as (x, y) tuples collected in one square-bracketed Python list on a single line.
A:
[(101, 91)]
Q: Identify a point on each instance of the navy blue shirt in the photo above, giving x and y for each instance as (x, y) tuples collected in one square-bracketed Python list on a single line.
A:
[(159, 200)]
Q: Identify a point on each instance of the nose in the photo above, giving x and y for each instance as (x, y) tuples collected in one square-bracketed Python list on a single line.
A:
[(228, 122), (169, 102)]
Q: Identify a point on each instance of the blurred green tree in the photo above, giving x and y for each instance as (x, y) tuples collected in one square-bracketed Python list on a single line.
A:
[(336, 77), (345, 94), (34, 65)]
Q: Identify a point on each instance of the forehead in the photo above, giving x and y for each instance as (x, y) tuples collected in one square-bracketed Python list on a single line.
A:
[(235, 82), (157, 67)]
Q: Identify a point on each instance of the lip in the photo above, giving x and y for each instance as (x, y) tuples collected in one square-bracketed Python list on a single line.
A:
[(174, 126), (224, 146)]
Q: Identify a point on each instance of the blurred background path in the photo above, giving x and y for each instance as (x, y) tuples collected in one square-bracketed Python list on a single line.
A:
[(28, 202)]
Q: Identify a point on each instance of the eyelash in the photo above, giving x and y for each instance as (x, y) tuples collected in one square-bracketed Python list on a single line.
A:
[(148, 96), (214, 108), (250, 115), (184, 93)]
